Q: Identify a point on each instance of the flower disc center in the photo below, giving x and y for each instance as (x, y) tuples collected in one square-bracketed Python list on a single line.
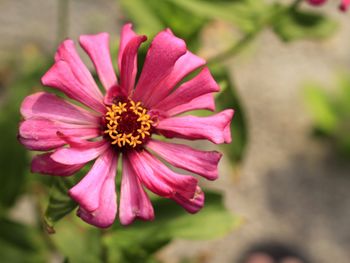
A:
[(127, 124)]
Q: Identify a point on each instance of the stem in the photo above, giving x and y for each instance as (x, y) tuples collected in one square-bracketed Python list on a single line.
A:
[(295, 4), (62, 19), (235, 49)]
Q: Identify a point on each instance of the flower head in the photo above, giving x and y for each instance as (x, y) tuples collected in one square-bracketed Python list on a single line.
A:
[(122, 124), (344, 5)]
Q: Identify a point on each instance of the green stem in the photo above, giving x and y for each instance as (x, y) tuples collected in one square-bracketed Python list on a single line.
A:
[(62, 19), (235, 49)]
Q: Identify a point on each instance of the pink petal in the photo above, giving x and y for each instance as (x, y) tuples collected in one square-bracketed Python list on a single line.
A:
[(61, 76), (192, 205), (182, 156), (97, 47), (41, 134), (317, 2), (127, 58), (214, 128), (344, 5), (134, 202), (49, 106), (204, 102), (45, 165), (79, 155), (161, 57), (202, 84), (67, 52), (88, 192), (106, 212), (160, 179), (183, 66)]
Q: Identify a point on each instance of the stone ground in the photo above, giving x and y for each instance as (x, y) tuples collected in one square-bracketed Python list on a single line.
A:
[(290, 188)]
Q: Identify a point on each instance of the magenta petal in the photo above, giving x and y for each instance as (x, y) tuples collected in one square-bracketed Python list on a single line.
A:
[(160, 179), (317, 2), (344, 5), (128, 68), (44, 164), (134, 202), (214, 128), (204, 102), (106, 212), (161, 57), (97, 47), (88, 191), (127, 58), (183, 66), (202, 84), (192, 205), (41, 134), (61, 76), (78, 155), (49, 106), (182, 156), (67, 52)]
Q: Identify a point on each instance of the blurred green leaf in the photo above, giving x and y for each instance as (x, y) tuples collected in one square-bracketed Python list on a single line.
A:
[(228, 99), (60, 204), (78, 242), (320, 107), (142, 15), (140, 240), (20, 243), (246, 14), (292, 24), (331, 113)]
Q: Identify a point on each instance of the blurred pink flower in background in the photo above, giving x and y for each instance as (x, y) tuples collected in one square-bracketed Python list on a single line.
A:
[(344, 5), (121, 124)]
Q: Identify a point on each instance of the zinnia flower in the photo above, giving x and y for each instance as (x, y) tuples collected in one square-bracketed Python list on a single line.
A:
[(122, 124), (344, 5)]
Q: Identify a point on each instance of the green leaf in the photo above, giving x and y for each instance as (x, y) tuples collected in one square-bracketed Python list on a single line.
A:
[(293, 24), (140, 240), (318, 101), (228, 99), (60, 204), (142, 15), (20, 243), (246, 14), (78, 242)]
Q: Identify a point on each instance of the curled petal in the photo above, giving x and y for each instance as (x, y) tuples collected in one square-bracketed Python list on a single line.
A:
[(80, 154), (344, 6), (106, 212), (317, 2), (49, 106), (61, 76), (161, 57), (202, 84), (192, 205), (183, 66), (127, 58), (215, 128), (204, 102), (90, 192), (97, 47), (160, 179), (44, 164), (134, 202), (67, 52), (41, 134), (182, 156)]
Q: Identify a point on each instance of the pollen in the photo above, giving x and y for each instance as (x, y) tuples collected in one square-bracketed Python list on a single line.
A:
[(127, 124)]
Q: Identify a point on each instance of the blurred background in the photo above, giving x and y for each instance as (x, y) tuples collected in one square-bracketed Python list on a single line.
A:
[(284, 66)]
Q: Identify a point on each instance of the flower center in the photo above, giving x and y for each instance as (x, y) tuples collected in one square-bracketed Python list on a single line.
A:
[(127, 124)]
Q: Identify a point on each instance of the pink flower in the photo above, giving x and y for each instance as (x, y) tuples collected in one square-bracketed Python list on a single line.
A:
[(121, 124), (344, 5)]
